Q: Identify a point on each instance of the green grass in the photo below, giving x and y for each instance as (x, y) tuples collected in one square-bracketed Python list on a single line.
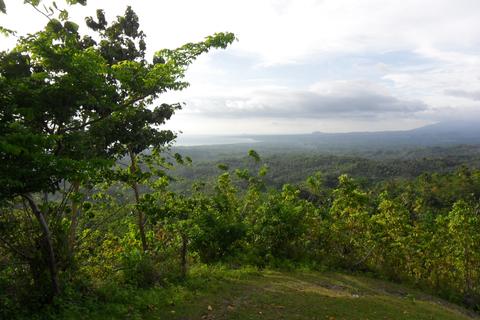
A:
[(217, 293)]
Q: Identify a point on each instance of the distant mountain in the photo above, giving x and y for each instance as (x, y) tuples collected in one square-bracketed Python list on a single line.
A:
[(463, 128), (391, 143), (445, 133)]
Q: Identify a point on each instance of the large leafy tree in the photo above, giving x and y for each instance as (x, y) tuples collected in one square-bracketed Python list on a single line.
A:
[(139, 83), (72, 104), (51, 89)]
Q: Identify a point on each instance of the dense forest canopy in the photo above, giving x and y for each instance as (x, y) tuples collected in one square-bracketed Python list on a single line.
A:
[(90, 198)]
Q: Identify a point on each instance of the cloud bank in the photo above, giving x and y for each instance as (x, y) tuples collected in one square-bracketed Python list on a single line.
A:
[(311, 64), (472, 95), (333, 100)]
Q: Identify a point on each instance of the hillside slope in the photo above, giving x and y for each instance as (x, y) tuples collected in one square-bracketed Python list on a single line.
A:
[(241, 294)]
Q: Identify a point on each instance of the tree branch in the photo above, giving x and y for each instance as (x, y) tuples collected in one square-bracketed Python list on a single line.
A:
[(38, 10)]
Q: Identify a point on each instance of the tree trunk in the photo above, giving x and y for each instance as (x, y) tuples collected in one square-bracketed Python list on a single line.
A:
[(183, 254), (140, 215), (52, 262), (74, 221)]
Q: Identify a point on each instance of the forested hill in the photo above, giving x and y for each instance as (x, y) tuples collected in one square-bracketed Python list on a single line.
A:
[(445, 133), (369, 166)]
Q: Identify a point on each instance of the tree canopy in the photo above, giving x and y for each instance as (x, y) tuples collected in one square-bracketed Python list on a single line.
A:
[(73, 104)]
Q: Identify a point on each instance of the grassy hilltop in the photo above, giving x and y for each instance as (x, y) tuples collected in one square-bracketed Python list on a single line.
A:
[(213, 293)]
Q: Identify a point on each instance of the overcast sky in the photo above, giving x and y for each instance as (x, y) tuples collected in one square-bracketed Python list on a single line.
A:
[(310, 65)]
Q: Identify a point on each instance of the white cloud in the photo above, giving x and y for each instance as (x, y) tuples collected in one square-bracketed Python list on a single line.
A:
[(439, 84), (291, 31), (335, 100), (473, 95), (439, 79)]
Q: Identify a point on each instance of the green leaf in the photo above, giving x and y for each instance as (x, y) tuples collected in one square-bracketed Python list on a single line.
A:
[(33, 2), (263, 171), (71, 26), (82, 2), (2, 7), (7, 32), (54, 26), (222, 166), (63, 15), (252, 153), (178, 158)]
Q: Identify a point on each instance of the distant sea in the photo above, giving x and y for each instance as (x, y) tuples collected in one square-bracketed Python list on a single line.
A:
[(205, 140)]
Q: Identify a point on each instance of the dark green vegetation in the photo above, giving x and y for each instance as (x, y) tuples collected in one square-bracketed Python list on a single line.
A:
[(90, 223), (368, 157), (293, 165)]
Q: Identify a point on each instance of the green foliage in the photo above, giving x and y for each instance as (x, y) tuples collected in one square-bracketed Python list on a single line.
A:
[(72, 105), (280, 226), (349, 220), (254, 155), (421, 231)]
